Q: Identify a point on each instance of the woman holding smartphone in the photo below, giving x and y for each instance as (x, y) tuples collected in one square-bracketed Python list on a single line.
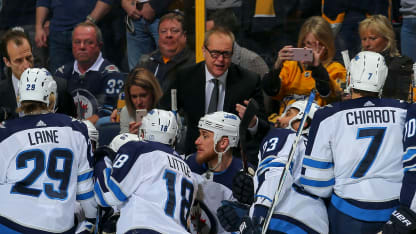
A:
[(142, 93), (295, 73)]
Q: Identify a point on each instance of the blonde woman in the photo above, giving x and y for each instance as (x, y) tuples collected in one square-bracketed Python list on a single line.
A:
[(142, 91), (377, 35), (291, 80)]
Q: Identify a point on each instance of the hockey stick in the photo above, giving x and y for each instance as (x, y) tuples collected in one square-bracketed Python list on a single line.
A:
[(251, 111), (289, 160), (347, 61)]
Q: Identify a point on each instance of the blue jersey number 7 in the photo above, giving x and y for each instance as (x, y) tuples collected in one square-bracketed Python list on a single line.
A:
[(377, 136)]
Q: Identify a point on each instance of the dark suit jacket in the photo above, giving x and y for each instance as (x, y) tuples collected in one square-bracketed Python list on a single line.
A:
[(8, 103), (241, 85)]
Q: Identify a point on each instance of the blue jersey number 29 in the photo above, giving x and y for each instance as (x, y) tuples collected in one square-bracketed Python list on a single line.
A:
[(376, 135), (186, 201), (62, 174)]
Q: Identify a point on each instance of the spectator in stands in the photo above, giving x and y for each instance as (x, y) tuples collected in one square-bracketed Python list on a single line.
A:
[(241, 56), (142, 91), (17, 55), (22, 13), (93, 81), (172, 53), (213, 85), (377, 35), (65, 16), (292, 80), (142, 26), (408, 30)]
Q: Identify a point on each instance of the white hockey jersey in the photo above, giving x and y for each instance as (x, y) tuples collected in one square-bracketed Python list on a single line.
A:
[(152, 186), (293, 213), (44, 168), (354, 155)]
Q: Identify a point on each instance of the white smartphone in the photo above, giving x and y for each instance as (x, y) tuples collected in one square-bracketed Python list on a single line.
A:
[(140, 113), (302, 54)]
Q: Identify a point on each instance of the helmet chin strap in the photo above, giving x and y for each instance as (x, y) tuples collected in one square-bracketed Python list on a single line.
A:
[(219, 158)]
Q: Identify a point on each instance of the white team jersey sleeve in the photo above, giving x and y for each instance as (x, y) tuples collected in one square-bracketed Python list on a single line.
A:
[(273, 157), (318, 170)]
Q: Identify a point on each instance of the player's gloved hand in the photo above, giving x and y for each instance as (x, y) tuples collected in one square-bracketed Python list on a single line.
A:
[(251, 225), (230, 215), (401, 221), (243, 188), (108, 221), (100, 155)]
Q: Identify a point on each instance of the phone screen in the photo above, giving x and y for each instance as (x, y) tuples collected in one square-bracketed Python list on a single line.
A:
[(140, 113)]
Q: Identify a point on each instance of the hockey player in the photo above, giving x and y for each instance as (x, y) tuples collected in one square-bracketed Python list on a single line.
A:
[(45, 163), (215, 166), (148, 180), (403, 219), (295, 206), (354, 150)]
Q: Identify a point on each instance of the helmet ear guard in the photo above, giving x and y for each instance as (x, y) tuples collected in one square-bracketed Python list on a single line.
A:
[(160, 126), (367, 72)]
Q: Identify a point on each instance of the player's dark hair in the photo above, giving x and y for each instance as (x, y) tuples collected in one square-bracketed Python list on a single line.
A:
[(365, 93)]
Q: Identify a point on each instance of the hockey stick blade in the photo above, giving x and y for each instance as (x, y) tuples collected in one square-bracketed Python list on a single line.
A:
[(251, 110)]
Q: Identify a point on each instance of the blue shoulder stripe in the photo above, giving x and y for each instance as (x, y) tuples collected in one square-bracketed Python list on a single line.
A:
[(85, 176), (317, 164), (99, 194), (317, 183), (85, 196), (114, 187)]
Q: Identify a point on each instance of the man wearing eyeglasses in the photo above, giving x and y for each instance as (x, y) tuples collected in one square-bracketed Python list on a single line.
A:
[(213, 85), (172, 53)]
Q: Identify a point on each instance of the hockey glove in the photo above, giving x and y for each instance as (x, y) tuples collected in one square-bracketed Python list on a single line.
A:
[(251, 225), (230, 215), (243, 188), (402, 221)]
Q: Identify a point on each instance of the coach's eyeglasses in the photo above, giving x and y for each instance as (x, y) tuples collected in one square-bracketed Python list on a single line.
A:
[(216, 53)]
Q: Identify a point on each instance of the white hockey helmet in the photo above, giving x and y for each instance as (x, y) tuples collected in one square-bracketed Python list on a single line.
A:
[(121, 139), (301, 106), (222, 124), (36, 84), (160, 126), (92, 131), (368, 72)]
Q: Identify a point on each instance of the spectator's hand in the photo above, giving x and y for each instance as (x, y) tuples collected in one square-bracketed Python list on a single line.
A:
[(113, 116), (241, 109), (147, 12), (318, 51), (41, 36), (284, 54), (134, 127), (130, 7)]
